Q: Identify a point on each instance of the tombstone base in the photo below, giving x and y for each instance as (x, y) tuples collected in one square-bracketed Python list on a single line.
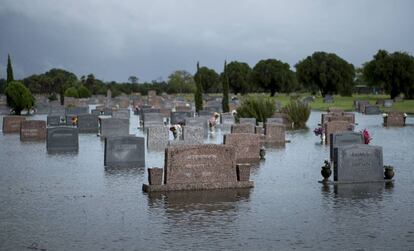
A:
[(196, 186), (330, 182)]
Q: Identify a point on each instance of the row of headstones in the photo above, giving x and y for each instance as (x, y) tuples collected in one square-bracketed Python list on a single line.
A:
[(392, 118)]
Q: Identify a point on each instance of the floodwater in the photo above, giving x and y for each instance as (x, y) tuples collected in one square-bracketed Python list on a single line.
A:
[(70, 202)]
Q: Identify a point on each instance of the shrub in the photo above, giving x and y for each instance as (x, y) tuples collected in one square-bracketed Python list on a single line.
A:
[(72, 92), (298, 112), (256, 106), (18, 97), (83, 92)]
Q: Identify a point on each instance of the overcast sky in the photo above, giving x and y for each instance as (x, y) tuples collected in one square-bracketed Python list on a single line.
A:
[(115, 39)]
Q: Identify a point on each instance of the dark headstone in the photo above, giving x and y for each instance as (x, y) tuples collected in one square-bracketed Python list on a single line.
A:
[(372, 110), (88, 123), (358, 163), (179, 117), (388, 103), (62, 139), (343, 139), (76, 110), (111, 127), (121, 114), (153, 119), (124, 151)]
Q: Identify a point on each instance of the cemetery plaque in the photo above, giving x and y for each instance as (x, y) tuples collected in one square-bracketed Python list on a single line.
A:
[(251, 121), (53, 120), (124, 151), (11, 124), (335, 127), (153, 119), (246, 145), (358, 163), (372, 110), (121, 114), (193, 134), (343, 139), (157, 137), (33, 130), (88, 123), (179, 117), (242, 128), (62, 139), (111, 127), (394, 119)]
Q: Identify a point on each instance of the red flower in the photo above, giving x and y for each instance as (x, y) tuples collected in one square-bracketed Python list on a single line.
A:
[(367, 137)]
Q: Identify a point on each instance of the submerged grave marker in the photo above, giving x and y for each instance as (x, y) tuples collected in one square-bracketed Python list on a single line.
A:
[(33, 130), (124, 151), (62, 139)]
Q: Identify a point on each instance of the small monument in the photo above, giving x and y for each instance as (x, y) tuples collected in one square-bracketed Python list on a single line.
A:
[(62, 139), (124, 151), (33, 130)]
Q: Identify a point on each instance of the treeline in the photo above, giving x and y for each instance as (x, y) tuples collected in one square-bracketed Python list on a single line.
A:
[(321, 72)]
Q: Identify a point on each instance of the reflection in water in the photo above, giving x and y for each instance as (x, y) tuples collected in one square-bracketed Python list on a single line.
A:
[(124, 171), (356, 190)]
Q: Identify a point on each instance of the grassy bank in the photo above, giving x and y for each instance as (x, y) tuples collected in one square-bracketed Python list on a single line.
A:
[(345, 103)]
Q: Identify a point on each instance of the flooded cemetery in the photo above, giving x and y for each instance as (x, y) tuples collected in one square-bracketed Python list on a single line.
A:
[(149, 173)]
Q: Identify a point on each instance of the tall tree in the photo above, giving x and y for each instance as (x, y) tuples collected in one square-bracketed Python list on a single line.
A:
[(274, 76), (61, 80), (133, 79), (327, 73), (225, 81), (393, 72), (10, 77), (209, 80), (198, 95), (238, 74)]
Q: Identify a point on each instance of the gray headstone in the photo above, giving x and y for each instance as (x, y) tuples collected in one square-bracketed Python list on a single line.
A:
[(88, 123), (251, 121), (57, 110), (121, 114), (358, 163), (53, 120), (388, 103), (328, 99), (343, 139), (62, 139), (275, 120), (177, 117), (372, 110), (201, 121), (111, 127), (153, 119), (193, 134), (157, 137), (76, 110), (124, 151)]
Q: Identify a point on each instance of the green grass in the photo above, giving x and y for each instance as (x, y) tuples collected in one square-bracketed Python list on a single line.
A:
[(345, 103)]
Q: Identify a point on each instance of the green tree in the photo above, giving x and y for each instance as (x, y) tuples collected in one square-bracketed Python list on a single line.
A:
[(83, 92), (18, 97), (256, 106), (238, 74), (72, 92), (274, 76), (209, 80), (394, 72), (133, 79), (327, 73), (181, 82), (225, 81), (10, 77), (61, 80), (198, 95)]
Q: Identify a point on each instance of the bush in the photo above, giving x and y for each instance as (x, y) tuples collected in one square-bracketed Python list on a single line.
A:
[(298, 112), (18, 97), (72, 92), (260, 107), (83, 92)]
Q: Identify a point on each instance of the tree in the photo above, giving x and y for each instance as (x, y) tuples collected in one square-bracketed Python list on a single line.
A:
[(327, 73), (18, 97), (238, 76), (72, 92), (133, 79), (394, 72), (181, 82), (198, 95), (274, 76), (61, 80), (83, 92), (225, 81), (10, 77), (209, 80)]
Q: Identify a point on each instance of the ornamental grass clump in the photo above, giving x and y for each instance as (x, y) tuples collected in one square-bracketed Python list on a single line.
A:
[(256, 106), (298, 112)]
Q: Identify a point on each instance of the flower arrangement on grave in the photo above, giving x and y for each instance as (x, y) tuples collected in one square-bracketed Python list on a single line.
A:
[(367, 136), (384, 115), (318, 131)]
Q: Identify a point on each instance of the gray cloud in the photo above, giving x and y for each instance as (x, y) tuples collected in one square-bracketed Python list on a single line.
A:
[(150, 39)]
